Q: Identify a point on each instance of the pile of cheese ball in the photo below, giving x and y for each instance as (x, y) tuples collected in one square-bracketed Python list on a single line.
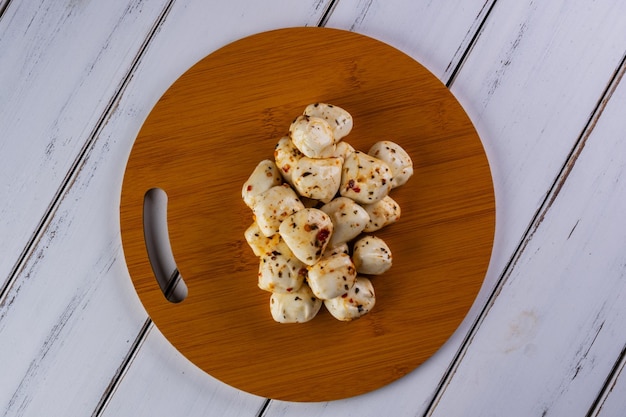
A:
[(313, 207)]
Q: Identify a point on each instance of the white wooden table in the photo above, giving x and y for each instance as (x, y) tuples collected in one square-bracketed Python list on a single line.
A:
[(541, 80)]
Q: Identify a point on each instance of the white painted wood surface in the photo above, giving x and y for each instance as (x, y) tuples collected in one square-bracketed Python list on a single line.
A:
[(538, 80), (61, 62)]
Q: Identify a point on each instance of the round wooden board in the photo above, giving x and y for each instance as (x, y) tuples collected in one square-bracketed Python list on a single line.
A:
[(201, 142)]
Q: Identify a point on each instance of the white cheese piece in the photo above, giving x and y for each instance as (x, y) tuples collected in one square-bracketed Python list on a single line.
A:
[(332, 276), (258, 242), (312, 136), (286, 156), (355, 303), (264, 177), (280, 271), (331, 251), (274, 205), (397, 158), (339, 119), (349, 219), (343, 149), (371, 256), (381, 214), (365, 179), (296, 307), (307, 233), (317, 178)]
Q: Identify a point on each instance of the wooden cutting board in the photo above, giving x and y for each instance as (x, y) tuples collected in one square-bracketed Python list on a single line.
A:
[(201, 142)]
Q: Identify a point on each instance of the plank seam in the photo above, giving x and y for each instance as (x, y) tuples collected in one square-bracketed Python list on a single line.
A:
[(123, 368), (78, 163), (551, 195), (263, 408), (3, 8), (609, 384), (329, 11), (470, 46)]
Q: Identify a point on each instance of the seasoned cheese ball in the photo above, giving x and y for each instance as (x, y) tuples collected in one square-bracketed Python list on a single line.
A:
[(286, 156), (339, 120), (264, 177), (365, 179), (280, 271), (397, 158), (332, 276), (358, 301), (296, 307), (342, 150), (371, 256), (317, 178), (381, 214), (349, 219), (258, 242), (313, 136), (274, 205), (307, 233)]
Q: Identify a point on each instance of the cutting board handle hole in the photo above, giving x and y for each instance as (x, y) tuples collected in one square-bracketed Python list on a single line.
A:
[(157, 240)]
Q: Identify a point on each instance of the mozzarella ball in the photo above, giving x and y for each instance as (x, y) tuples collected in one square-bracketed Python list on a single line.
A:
[(371, 256), (286, 156), (317, 178), (355, 303), (339, 120), (307, 233), (274, 205), (349, 219), (280, 271), (258, 242), (381, 214), (332, 276), (365, 179), (312, 136), (264, 177), (397, 158), (296, 307)]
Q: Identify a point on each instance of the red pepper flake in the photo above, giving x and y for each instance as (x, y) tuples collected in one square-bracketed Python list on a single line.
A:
[(323, 234), (289, 289), (352, 186), (286, 168), (249, 188)]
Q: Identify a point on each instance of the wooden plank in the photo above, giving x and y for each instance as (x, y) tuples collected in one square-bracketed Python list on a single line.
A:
[(62, 61), (437, 34), (73, 293), (555, 331), (535, 74)]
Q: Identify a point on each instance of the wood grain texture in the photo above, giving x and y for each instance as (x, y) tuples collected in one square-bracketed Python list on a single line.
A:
[(196, 147), (73, 293)]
